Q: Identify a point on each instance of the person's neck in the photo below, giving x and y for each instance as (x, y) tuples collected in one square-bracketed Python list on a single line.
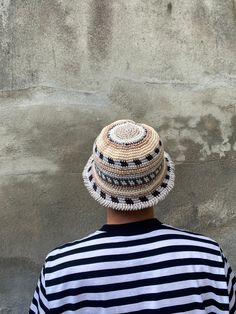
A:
[(122, 217)]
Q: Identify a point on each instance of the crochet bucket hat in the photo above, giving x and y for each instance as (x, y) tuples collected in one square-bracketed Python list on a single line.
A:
[(128, 168)]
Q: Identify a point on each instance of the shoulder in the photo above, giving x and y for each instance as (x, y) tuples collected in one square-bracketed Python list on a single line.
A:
[(188, 244), (73, 247), (188, 235)]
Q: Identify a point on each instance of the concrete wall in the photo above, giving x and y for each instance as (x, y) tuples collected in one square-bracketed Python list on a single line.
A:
[(67, 68)]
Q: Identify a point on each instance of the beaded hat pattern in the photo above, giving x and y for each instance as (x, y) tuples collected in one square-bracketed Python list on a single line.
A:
[(128, 169)]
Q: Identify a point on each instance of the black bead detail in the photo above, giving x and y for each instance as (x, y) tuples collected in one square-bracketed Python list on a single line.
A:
[(101, 155), (111, 161), (149, 157), (124, 163), (129, 201), (167, 177), (168, 168), (160, 143), (95, 187), (114, 199), (157, 150), (137, 162), (156, 193), (90, 178), (164, 185), (102, 194), (143, 199), (96, 149), (89, 168)]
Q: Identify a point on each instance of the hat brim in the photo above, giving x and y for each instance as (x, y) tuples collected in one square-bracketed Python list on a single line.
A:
[(120, 204)]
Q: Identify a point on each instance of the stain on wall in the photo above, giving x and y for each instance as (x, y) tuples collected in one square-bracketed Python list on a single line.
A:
[(209, 128), (169, 7), (100, 30)]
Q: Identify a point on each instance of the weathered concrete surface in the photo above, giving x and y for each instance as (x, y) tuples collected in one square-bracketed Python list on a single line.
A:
[(70, 67), (84, 44)]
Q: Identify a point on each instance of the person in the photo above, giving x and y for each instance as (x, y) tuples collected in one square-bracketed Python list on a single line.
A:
[(134, 263)]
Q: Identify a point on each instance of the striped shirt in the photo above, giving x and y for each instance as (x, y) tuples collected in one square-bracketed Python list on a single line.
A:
[(141, 267)]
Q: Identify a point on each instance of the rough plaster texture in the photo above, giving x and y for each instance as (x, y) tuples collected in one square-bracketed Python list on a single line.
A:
[(67, 68)]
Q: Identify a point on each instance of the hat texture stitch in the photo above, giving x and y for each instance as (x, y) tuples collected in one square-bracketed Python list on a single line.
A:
[(128, 168)]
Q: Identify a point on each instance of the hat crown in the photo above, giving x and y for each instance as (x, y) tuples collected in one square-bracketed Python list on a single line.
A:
[(127, 132), (127, 140)]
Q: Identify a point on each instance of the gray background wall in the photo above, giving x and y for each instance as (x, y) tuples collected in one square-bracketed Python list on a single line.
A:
[(67, 68)]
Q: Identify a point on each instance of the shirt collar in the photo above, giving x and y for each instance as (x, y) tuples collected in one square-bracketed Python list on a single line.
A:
[(132, 228)]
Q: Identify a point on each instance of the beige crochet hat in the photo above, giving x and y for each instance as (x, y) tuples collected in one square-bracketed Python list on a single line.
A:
[(128, 169)]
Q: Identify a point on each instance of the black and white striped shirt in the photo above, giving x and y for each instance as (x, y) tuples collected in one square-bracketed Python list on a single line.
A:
[(141, 267)]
